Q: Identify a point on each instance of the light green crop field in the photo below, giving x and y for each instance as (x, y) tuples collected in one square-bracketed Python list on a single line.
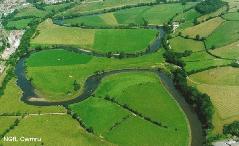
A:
[(11, 102), (101, 40), (230, 51), (50, 129), (203, 29), (157, 15), (143, 92), (6, 122), (231, 16), (225, 34), (202, 60), (55, 81), (31, 11), (225, 80), (179, 44), (19, 24), (99, 6)]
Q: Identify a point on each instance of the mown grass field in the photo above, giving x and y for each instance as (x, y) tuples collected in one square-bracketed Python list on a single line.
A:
[(221, 84), (202, 60), (180, 44), (230, 51), (233, 5), (157, 15), (60, 79), (134, 89), (11, 102), (101, 40), (225, 34), (6, 122), (203, 29), (50, 129), (231, 16)]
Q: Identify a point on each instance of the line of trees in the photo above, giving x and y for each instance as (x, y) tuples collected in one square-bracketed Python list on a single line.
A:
[(232, 129)]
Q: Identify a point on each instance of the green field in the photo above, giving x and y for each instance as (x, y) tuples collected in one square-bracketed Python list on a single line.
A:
[(31, 11), (19, 24), (100, 6), (231, 16), (11, 103), (225, 80), (134, 89), (50, 129), (179, 44), (230, 51), (156, 15), (6, 122), (203, 29), (225, 34), (56, 89), (101, 40), (202, 60)]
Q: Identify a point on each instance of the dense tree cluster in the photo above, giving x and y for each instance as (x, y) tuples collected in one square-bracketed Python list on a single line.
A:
[(232, 129), (209, 6)]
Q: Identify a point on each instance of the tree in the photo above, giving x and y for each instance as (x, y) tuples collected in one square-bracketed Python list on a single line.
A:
[(76, 85)]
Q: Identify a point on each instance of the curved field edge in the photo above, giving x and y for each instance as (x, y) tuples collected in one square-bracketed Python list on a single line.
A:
[(60, 73), (122, 89)]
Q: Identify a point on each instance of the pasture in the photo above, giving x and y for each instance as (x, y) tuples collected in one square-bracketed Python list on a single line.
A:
[(203, 29), (31, 11), (11, 102), (154, 15), (133, 89), (180, 44), (225, 34), (230, 51), (212, 15), (100, 6), (60, 79), (50, 129), (101, 40), (202, 60), (225, 80), (6, 122), (231, 16), (19, 24)]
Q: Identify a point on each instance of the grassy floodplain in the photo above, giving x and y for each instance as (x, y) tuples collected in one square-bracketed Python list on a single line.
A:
[(101, 40), (50, 129), (133, 89), (180, 44), (225, 80), (12, 104), (78, 68), (156, 15), (31, 11)]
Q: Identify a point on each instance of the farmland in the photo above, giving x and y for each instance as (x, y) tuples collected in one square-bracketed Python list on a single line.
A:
[(56, 69), (225, 80), (154, 15), (127, 89), (101, 40), (128, 72), (45, 127)]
